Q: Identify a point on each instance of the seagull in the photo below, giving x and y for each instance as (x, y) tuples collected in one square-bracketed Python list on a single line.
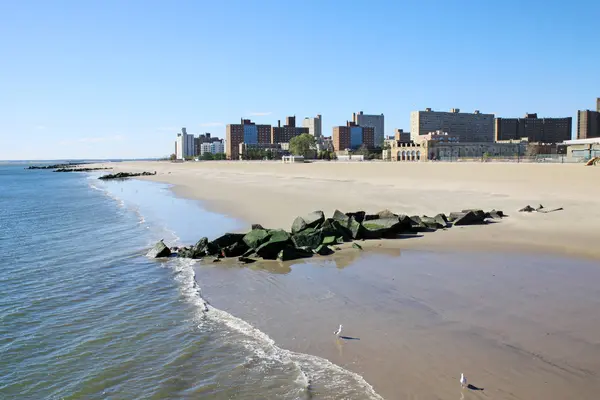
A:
[(339, 330), (463, 380)]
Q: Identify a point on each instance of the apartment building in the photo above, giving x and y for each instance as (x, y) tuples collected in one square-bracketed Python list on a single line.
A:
[(352, 136), (372, 121), (314, 125), (283, 134), (475, 127), (245, 132), (536, 130)]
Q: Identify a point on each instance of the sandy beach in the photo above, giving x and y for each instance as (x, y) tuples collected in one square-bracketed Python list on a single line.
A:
[(513, 304), (273, 194)]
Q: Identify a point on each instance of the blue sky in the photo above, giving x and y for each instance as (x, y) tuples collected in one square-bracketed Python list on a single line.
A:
[(116, 79)]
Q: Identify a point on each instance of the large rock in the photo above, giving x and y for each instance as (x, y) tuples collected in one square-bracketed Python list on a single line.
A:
[(314, 219), (432, 222), (255, 238), (323, 250), (332, 227), (386, 214), (159, 250), (309, 238), (441, 219), (355, 228), (204, 248), (416, 224), (381, 227), (359, 216), (341, 217), (495, 214), (468, 218), (478, 212), (278, 240), (235, 250), (292, 253), (228, 239), (298, 225)]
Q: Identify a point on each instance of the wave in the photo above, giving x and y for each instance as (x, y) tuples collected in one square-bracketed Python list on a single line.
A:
[(310, 369)]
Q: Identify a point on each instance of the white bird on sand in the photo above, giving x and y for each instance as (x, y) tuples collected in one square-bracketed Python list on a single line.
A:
[(463, 380), (339, 330)]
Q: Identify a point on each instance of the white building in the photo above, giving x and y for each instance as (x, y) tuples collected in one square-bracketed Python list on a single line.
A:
[(374, 121), (212, 147), (314, 125), (184, 145), (475, 127)]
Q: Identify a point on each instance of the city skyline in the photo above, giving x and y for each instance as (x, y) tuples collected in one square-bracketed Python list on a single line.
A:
[(116, 80)]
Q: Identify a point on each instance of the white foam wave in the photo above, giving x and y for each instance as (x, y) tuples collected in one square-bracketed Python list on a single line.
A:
[(309, 368)]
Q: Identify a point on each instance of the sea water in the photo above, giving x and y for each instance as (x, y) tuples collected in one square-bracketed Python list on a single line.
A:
[(84, 314)]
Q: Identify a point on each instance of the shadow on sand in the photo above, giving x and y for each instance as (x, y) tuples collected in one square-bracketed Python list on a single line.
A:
[(348, 338), (473, 387)]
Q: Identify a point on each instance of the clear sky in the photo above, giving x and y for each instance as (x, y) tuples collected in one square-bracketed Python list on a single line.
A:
[(119, 78)]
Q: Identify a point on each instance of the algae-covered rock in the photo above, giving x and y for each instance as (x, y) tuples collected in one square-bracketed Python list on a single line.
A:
[(227, 239), (235, 250), (278, 240), (310, 238), (380, 227), (255, 238), (289, 253)]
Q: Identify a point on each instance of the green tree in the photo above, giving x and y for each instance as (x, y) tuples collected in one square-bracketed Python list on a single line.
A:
[(173, 157), (302, 145), (220, 156), (208, 156)]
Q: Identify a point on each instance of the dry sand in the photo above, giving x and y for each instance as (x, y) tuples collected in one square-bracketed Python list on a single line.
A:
[(273, 194)]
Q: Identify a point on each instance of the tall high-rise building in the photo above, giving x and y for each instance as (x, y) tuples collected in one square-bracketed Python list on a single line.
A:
[(373, 121), (283, 134), (475, 127), (588, 124), (352, 136), (245, 132), (184, 145), (314, 125), (538, 130)]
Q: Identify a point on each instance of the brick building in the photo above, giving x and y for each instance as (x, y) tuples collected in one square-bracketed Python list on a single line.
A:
[(283, 134), (245, 132), (353, 136)]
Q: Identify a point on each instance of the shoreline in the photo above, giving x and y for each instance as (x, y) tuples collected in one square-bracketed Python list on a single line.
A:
[(236, 189)]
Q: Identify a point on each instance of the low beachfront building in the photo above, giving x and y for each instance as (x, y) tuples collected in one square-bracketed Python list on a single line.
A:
[(583, 149), (451, 150)]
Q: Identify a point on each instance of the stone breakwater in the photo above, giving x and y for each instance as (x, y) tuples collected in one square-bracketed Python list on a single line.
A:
[(315, 234), (80, 169), (123, 175), (53, 166)]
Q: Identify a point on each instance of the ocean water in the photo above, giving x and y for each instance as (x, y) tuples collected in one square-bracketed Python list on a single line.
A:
[(84, 314)]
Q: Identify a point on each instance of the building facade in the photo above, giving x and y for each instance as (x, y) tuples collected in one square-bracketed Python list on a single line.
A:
[(475, 127), (448, 151), (204, 138), (402, 136), (372, 121), (352, 137), (245, 132), (539, 130), (184, 145), (314, 125), (212, 147), (283, 134), (588, 124), (583, 149)]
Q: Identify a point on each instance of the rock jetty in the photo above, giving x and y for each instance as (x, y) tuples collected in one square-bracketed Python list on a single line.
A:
[(123, 175), (53, 166), (79, 169), (315, 234)]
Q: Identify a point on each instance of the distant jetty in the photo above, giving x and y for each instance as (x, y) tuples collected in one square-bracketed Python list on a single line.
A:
[(314, 234), (123, 175), (53, 166), (80, 169)]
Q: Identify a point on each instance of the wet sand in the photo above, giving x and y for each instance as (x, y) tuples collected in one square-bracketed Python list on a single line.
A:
[(520, 327)]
